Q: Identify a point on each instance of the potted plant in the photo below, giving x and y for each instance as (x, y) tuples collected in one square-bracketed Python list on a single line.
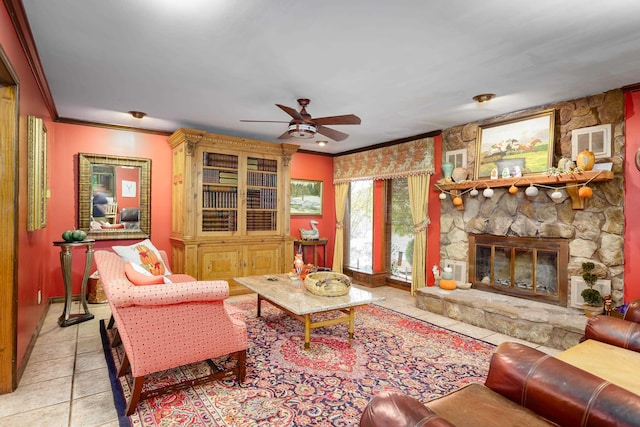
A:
[(591, 297)]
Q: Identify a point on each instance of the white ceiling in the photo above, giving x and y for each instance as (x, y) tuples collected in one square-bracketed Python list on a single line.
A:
[(405, 67)]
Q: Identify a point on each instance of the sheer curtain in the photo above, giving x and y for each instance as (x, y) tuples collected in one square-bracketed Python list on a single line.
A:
[(342, 190), (419, 200)]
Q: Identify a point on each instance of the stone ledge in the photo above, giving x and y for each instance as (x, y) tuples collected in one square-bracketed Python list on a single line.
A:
[(536, 322)]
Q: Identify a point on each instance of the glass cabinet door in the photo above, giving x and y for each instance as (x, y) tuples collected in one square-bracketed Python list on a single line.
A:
[(219, 192), (262, 194)]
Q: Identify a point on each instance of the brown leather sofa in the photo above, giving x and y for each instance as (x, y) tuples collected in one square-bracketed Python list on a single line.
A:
[(623, 332), (524, 387)]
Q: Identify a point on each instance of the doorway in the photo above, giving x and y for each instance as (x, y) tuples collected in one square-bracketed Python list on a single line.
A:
[(8, 227)]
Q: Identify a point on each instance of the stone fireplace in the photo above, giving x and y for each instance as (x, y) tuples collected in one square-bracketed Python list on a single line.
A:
[(593, 233), (524, 267)]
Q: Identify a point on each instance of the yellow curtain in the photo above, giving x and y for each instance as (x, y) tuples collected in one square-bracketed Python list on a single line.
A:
[(341, 190), (419, 200)]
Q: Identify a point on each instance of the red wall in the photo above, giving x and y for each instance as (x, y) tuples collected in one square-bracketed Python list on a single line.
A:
[(433, 231), (74, 139), (378, 262), (632, 198), (34, 247), (127, 174), (316, 168)]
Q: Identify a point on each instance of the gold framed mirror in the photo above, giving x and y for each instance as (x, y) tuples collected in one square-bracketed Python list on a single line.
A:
[(114, 196)]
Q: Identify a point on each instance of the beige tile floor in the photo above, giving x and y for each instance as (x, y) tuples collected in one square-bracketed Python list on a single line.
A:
[(66, 382)]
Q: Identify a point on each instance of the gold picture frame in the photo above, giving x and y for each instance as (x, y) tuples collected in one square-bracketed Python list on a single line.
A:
[(37, 174), (524, 143), (306, 197)]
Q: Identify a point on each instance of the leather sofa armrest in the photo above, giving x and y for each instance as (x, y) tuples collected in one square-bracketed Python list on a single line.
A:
[(633, 311), (614, 331), (398, 410), (168, 294), (558, 391)]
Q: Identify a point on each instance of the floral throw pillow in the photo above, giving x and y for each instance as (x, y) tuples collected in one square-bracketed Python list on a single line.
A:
[(144, 258)]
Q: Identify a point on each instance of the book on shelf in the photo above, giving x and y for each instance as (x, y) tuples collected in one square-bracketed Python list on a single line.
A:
[(228, 180), (220, 160)]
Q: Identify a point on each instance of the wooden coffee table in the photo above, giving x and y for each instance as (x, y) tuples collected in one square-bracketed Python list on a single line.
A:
[(611, 363), (291, 297)]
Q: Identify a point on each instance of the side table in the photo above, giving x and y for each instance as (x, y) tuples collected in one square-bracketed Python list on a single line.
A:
[(315, 243), (66, 256)]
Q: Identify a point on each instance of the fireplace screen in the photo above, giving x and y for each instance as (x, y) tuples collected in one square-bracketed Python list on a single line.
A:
[(525, 267)]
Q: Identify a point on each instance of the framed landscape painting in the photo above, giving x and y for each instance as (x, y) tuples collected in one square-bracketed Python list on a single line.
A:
[(523, 144), (306, 197)]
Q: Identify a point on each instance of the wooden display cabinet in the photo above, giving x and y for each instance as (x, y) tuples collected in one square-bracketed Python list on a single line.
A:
[(230, 206)]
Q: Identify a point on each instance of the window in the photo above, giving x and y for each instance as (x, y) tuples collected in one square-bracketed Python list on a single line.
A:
[(399, 230), (359, 220)]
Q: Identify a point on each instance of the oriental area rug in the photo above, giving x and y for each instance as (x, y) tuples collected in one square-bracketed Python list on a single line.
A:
[(328, 385)]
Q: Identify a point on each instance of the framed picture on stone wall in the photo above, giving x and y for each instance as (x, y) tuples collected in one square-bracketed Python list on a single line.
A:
[(524, 143)]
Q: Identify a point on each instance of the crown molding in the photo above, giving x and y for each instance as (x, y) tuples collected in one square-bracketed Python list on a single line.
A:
[(23, 30), (111, 126)]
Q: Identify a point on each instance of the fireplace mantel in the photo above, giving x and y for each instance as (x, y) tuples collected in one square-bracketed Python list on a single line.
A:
[(570, 180)]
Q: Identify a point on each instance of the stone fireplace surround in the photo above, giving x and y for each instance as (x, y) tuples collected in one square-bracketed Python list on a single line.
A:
[(595, 233)]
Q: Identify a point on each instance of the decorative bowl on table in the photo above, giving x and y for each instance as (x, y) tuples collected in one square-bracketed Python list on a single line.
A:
[(327, 284)]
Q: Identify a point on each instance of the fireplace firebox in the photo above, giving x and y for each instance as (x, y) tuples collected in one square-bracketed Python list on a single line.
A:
[(526, 267)]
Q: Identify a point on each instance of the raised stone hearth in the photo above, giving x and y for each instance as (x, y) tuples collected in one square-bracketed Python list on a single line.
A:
[(540, 323)]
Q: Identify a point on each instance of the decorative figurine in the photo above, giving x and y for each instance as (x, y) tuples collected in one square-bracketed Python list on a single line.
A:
[(313, 234), (298, 264)]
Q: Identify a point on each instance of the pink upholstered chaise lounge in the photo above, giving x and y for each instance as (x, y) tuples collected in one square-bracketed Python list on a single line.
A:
[(169, 325)]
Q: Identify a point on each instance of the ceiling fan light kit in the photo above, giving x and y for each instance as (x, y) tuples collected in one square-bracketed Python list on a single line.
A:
[(304, 127), (299, 129)]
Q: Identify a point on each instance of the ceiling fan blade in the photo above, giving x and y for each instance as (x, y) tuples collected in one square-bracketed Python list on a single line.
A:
[(347, 119), (285, 135), (290, 111), (264, 121), (332, 133)]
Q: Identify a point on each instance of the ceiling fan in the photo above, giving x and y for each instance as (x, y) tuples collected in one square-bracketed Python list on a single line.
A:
[(303, 126)]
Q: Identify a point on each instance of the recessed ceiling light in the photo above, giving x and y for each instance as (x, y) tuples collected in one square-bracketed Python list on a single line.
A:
[(484, 97), (137, 114), (322, 143)]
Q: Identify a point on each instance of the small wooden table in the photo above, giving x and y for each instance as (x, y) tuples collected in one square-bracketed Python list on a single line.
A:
[(611, 363), (292, 298), (68, 319), (315, 243)]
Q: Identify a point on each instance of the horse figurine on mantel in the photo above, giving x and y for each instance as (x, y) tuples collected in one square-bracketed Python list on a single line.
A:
[(313, 234)]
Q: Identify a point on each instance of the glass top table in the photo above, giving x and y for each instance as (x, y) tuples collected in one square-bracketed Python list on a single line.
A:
[(291, 297)]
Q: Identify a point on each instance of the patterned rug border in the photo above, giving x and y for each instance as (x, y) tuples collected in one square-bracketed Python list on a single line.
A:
[(116, 388), (432, 378)]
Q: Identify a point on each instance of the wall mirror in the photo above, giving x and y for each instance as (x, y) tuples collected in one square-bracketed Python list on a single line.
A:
[(114, 196)]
